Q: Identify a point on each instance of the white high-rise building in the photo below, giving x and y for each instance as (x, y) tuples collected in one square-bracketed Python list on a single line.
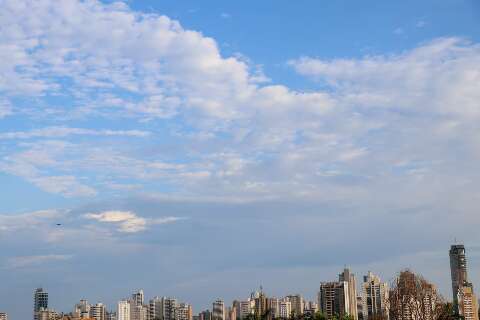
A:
[(349, 277), (123, 310), (285, 309), (218, 310), (82, 310), (245, 309), (40, 302), (168, 308), (138, 298), (138, 312), (155, 308), (3, 316), (374, 297), (298, 304), (98, 311)]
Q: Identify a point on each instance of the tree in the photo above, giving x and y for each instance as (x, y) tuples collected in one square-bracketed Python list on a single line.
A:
[(414, 298)]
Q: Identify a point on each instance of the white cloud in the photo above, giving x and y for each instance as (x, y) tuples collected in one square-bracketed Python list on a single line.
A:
[(231, 135), (29, 165), (128, 221), (440, 77)]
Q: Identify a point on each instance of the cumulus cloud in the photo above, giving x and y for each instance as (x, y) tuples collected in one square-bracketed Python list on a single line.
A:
[(229, 135), (128, 221), (440, 77)]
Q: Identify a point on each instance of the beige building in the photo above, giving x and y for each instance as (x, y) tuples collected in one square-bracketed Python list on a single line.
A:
[(467, 303), (298, 304), (374, 297), (349, 277), (285, 309), (3, 316)]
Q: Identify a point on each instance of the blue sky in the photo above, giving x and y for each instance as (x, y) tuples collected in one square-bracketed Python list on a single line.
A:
[(217, 145)]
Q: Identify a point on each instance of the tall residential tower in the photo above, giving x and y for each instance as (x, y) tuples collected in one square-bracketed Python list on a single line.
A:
[(464, 298), (40, 302)]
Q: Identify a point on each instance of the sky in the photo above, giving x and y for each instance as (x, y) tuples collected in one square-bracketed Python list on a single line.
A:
[(200, 149)]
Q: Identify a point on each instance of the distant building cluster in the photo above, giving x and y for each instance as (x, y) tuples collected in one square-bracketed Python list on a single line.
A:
[(405, 299)]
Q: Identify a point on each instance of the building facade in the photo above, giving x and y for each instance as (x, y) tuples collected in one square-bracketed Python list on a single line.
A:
[(347, 276), (333, 299), (464, 299), (123, 310), (298, 304), (218, 310), (374, 297), (40, 302), (183, 312), (98, 311)]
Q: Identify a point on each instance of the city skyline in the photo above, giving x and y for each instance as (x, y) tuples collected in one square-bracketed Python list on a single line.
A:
[(333, 298), (202, 148)]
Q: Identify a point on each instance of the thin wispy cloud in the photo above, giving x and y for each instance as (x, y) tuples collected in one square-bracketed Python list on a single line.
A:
[(60, 132), (30, 261)]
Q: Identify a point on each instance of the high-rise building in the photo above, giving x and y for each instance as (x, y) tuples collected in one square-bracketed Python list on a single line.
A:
[(218, 310), (183, 312), (467, 302), (123, 310), (374, 297), (138, 298), (82, 310), (285, 309), (458, 268), (274, 307), (231, 313), (205, 315), (138, 311), (168, 306), (111, 316), (464, 299), (245, 308), (360, 311), (155, 309), (46, 314), (349, 277), (98, 311), (310, 308), (259, 300), (3, 316), (333, 299), (298, 304), (40, 302)]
